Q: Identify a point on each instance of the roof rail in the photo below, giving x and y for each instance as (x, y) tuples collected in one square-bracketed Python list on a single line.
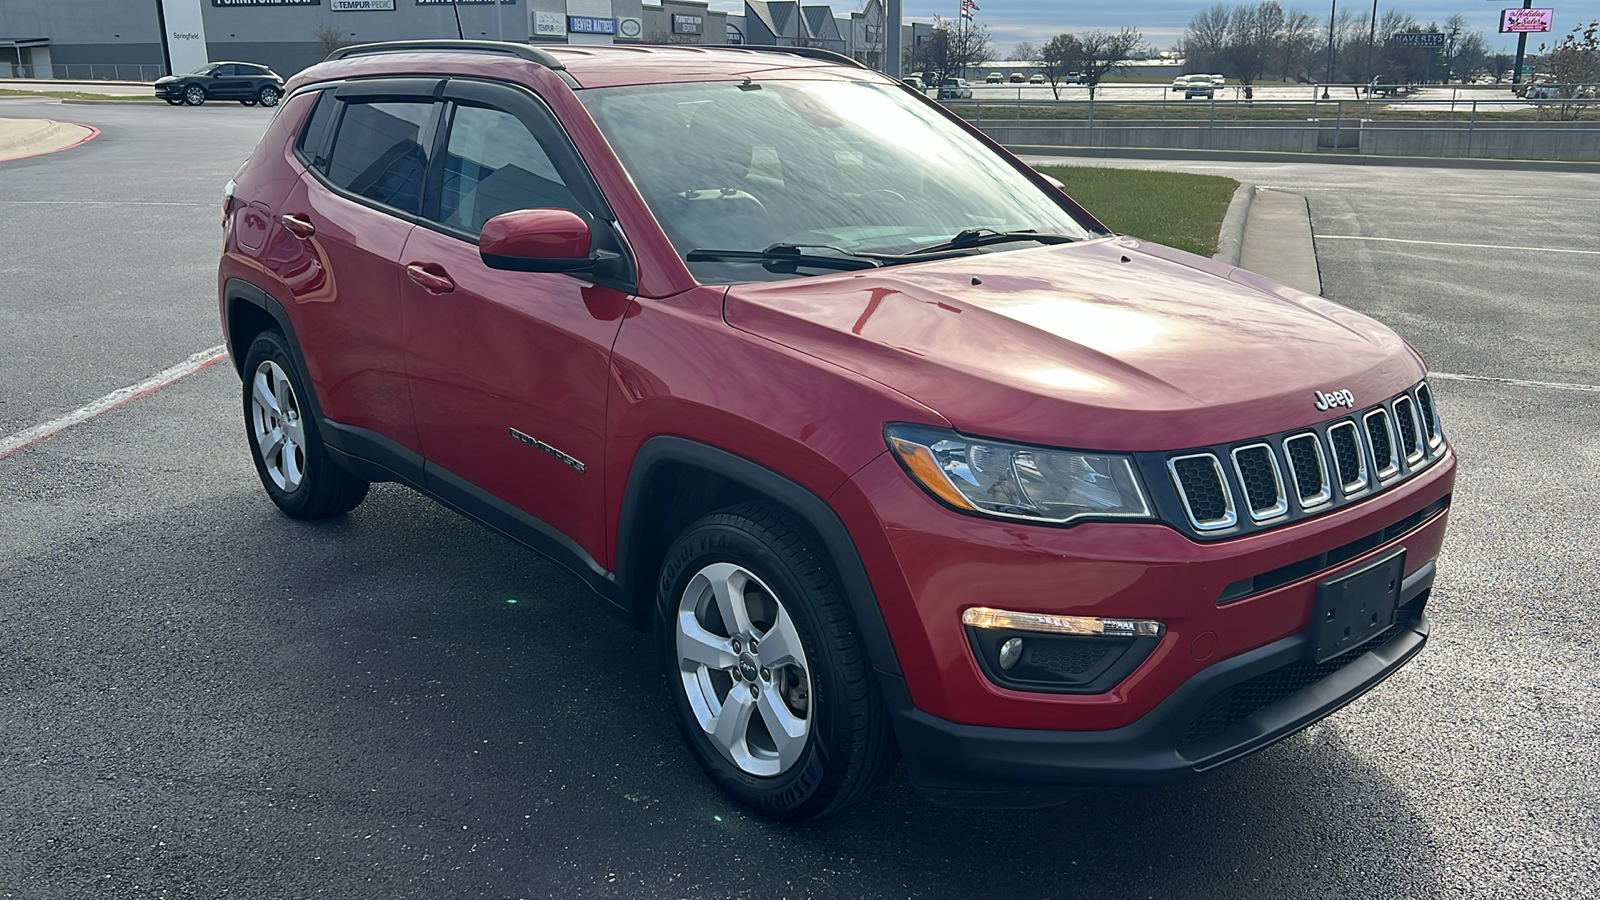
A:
[(523, 51), (807, 52)]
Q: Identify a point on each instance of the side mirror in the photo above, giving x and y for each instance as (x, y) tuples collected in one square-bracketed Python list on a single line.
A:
[(1054, 182), (538, 240)]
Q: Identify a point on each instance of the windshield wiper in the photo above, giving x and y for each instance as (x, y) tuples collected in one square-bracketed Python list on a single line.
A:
[(789, 255), (982, 237)]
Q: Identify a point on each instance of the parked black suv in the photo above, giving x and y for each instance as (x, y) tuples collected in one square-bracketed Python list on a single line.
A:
[(247, 83)]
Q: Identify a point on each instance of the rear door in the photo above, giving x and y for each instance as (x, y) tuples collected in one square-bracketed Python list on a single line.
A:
[(509, 370), (343, 227)]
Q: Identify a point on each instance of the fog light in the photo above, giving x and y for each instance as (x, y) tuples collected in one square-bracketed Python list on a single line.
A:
[(1010, 652), (984, 617)]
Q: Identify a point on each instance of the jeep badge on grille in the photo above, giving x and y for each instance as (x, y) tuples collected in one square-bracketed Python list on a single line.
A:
[(1335, 398)]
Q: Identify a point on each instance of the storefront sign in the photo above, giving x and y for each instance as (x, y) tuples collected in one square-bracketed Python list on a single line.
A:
[(361, 5), (629, 27), (682, 24), (1525, 21), (266, 2), (461, 2), (549, 24), (590, 25)]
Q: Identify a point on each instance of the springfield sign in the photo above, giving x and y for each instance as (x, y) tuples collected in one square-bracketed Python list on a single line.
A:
[(1525, 21)]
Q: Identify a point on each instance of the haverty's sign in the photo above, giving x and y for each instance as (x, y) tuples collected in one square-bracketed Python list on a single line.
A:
[(1525, 21)]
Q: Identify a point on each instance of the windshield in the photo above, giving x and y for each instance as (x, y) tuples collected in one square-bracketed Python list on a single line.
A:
[(855, 166), (204, 70)]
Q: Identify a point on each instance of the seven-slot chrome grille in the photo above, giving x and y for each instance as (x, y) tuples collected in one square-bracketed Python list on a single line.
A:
[(1271, 480)]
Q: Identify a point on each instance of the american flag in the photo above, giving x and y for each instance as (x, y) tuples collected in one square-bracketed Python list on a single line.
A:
[(967, 9)]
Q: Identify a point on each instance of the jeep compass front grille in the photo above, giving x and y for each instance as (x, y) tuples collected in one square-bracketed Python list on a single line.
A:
[(1285, 477)]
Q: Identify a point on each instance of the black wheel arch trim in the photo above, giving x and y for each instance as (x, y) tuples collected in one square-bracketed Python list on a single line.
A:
[(813, 511), (237, 290)]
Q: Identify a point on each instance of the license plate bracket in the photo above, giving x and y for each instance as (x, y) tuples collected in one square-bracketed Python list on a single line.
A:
[(1355, 607)]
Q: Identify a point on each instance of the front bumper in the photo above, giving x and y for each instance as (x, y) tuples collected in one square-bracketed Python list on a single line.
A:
[(1226, 711), (173, 91)]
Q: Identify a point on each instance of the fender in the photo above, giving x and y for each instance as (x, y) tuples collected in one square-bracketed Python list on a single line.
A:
[(811, 509)]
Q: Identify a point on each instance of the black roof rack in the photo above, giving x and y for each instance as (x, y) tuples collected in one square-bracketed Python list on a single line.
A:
[(523, 51), (807, 52)]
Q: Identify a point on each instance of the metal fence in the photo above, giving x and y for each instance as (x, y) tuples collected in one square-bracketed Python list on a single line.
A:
[(85, 72), (1500, 127)]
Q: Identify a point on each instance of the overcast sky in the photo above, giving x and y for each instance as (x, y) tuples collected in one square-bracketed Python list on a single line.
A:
[(1162, 21)]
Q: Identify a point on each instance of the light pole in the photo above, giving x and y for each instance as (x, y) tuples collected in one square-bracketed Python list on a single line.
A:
[(1372, 38), (1332, 11)]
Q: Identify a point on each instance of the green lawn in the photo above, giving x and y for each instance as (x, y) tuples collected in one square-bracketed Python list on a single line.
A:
[(1172, 208)]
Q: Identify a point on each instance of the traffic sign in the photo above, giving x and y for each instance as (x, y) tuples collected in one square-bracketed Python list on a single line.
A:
[(1419, 38)]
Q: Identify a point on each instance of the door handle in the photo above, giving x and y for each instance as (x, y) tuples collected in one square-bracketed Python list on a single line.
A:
[(431, 276), (295, 225)]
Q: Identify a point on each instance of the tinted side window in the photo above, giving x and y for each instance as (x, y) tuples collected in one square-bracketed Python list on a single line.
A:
[(494, 165), (223, 70), (313, 144), (378, 152)]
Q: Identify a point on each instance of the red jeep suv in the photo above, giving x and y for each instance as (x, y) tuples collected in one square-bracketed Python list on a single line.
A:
[(897, 449)]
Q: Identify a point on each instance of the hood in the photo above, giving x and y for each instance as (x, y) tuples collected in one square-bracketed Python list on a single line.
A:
[(1113, 344), (166, 79)]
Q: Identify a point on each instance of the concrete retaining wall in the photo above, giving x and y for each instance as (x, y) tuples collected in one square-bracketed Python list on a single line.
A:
[(1500, 140)]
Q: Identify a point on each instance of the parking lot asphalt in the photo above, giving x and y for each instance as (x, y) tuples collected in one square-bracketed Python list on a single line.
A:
[(201, 698)]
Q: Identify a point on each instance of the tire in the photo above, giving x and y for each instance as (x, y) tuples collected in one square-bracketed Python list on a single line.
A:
[(269, 96), (247, 103), (173, 101), (194, 95), (813, 690), (295, 468)]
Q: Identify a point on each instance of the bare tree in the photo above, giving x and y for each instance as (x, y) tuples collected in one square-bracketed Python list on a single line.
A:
[(329, 39), (1058, 57), (1574, 65), (1206, 38), (1299, 37), (1024, 51), (1254, 33), (953, 47), (1102, 52)]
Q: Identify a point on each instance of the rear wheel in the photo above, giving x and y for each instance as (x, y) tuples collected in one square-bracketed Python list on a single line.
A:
[(269, 96), (194, 95), (771, 687), (294, 466)]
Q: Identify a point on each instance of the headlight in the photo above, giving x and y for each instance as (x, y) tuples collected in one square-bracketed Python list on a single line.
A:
[(1018, 481)]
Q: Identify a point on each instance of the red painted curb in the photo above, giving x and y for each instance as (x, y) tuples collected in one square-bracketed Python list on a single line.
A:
[(93, 133)]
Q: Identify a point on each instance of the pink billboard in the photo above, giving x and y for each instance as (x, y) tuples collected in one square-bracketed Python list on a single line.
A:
[(1524, 21)]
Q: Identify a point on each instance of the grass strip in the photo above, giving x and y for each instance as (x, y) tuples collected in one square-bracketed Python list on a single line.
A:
[(1172, 208), (78, 95)]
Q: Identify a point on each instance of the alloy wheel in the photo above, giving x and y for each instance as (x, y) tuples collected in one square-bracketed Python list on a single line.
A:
[(744, 669), (276, 422)]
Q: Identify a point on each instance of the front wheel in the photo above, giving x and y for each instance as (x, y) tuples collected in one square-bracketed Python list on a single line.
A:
[(295, 468), (771, 687), (194, 95)]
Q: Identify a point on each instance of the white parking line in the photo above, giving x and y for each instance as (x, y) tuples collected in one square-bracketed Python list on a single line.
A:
[(112, 400), (1362, 237), (1523, 382)]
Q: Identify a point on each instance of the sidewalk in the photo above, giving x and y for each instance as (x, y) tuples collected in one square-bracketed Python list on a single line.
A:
[(31, 137)]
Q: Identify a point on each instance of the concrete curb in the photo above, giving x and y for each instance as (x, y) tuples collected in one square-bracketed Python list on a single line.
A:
[(1279, 242), (1230, 240), (1339, 159), (22, 138), (15, 133)]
